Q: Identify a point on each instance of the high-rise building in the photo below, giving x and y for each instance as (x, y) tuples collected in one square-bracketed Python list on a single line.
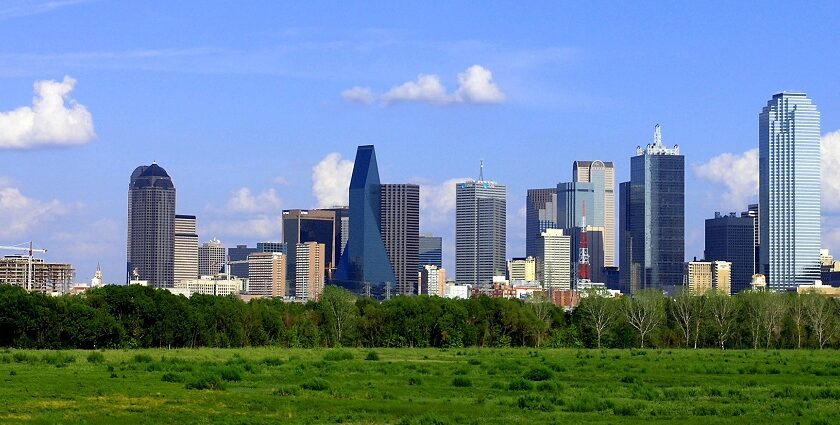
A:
[(431, 251), (602, 212), (655, 217), (433, 281), (789, 191), (629, 272), (595, 248), (400, 229), (364, 268), (574, 200), (540, 214), (480, 231), (703, 276), (309, 273), (238, 257), (267, 274), (211, 258), (45, 277), (752, 212), (300, 226), (554, 268), (730, 238), (272, 247), (342, 228), (186, 248), (151, 227), (522, 269)]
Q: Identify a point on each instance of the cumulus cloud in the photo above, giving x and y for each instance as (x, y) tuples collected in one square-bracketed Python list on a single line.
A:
[(738, 172), (21, 214), (437, 202), (830, 155), (53, 119), (475, 86), (260, 226), (331, 180), (358, 94), (243, 201)]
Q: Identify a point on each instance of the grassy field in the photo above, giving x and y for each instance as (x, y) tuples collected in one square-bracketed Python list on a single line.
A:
[(419, 386)]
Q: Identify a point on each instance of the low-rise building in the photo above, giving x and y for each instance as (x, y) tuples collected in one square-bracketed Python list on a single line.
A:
[(221, 285)]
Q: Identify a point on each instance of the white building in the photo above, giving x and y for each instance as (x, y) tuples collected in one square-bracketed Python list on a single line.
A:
[(220, 284), (555, 260), (211, 258)]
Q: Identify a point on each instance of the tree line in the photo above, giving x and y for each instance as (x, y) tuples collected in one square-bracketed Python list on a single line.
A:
[(141, 317)]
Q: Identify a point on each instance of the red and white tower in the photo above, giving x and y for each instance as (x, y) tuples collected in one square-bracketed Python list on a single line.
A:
[(583, 252)]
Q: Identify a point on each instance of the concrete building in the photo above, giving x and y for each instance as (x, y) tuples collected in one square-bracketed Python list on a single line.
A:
[(554, 269), (309, 271), (211, 258), (47, 278), (431, 251), (540, 214), (267, 274), (480, 231), (238, 257), (703, 276), (432, 281), (151, 227), (522, 269), (731, 238), (220, 285), (789, 191), (301, 226), (399, 227), (186, 248), (602, 175)]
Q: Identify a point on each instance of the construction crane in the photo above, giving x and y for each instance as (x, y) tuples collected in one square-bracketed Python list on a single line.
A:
[(30, 249)]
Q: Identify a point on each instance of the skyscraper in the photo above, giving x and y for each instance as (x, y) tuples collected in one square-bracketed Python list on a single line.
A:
[(730, 238), (400, 229), (655, 217), (602, 212), (211, 258), (629, 272), (309, 271), (186, 248), (431, 251), (480, 231), (573, 199), (554, 269), (267, 274), (300, 226), (342, 228), (364, 268), (789, 190), (540, 214), (752, 212), (151, 226), (238, 257)]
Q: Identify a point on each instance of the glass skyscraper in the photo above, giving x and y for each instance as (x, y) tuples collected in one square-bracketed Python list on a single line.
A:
[(653, 218), (602, 212), (431, 251), (151, 227), (480, 231), (301, 226), (730, 238), (789, 191), (540, 214)]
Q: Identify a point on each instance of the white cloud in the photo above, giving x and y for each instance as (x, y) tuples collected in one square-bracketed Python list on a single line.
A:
[(331, 180), (738, 172), (830, 155), (280, 180), (475, 85), (20, 214), (437, 203), (358, 94), (49, 121), (243, 201), (259, 226), (427, 88)]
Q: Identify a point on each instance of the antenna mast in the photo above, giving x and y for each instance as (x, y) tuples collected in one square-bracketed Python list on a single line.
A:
[(657, 135), (583, 252), (481, 170)]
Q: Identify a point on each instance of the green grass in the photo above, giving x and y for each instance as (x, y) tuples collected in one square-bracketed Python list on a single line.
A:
[(419, 386)]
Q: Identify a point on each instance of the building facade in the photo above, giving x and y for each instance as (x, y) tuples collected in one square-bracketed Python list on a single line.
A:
[(151, 227), (186, 248), (522, 269), (480, 231), (540, 214), (602, 175), (731, 238), (554, 268), (789, 191), (46, 277), (211, 258), (703, 276), (309, 273), (431, 251), (267, 274), (272, 247), (238, 258), (400, 229), (432, 281), (301, 226)]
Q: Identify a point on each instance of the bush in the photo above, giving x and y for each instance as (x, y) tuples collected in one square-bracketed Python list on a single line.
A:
[(520, 385), (545, 386), (272, 361), (628, 379), (58, 359), (95, 357), (230, 374), (316, 384), (20, 357), (538, 374), (474, 362), (462, 382), (627, 409), (286, 391), (206, 382), (338, 355), (589, 404), (534, 402), (142, 358), (372, 356), (171, 377), (414, 381)]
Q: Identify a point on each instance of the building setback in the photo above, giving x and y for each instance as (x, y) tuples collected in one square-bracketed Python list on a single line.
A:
[(703, 276), (480, 231), (731, 238), (186, 248), (151, 227), (433, 281), (400, 229)]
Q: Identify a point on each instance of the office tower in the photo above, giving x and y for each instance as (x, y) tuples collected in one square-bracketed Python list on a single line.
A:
[(238, 260), (342, 228), (46, 277), (267, 274), (301, 226), (629, 273), (480, 231), (151, 227), (433, 281), (186, 248), (602, 213), (271, 247), (400, 229), (364, 268), (655, 217), (703, 276), (431, 251), (789, 191), (555, 267), (522, 269), (595, 248), (211, 258), (309, 271), (752, 212), (540, 214), (573, 200), (731, 238)]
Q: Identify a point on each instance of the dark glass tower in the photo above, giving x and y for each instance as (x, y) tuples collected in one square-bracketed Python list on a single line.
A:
[(301, 226), (540, 214), (654, 218), (364, 268), (151, 227), (240, 253), (431, 251), (731, 238)]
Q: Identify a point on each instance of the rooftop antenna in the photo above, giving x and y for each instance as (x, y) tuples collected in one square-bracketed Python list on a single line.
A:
[(481, 171), (657, 135)]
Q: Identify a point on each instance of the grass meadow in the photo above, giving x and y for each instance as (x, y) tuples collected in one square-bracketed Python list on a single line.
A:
[(418, 386)]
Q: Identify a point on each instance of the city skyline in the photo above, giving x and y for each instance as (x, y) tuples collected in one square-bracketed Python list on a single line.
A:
[(219, 111)]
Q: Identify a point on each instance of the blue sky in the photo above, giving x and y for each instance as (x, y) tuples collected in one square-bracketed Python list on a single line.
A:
[(240, 102)]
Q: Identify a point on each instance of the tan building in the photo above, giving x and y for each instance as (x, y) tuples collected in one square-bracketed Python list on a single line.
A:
[(522, 269), (211, 258), (220, 285), (186, 248), (267, 274), (309, 271), (702, 276), (433, 281), (46, 277), (600, 172), (555, 268)]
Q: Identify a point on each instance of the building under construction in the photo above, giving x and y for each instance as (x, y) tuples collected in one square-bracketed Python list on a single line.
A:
[(46, 277)]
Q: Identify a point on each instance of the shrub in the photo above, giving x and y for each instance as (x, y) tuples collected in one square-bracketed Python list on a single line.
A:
[(538, 374), (95, 357), (12, 373), (372, 356), (206, 382), (316, 384), (171, 377), (474, 362), (414, 381), (338, 355), (230, 374), (545, 386), (589, 403), (286, 391), (272, 361), (142, 358), (20, 357), (534, 402), (520, 385), (461, 371), (626, 409), (462, 382), (58, 359), (628, 379)]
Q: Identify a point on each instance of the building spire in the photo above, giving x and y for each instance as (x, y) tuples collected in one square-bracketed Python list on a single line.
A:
[(657, 135), (481, 170)]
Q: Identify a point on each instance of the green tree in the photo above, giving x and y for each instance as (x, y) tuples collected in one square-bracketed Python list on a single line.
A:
[(339, 310), (644, 311), (597, 311)]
